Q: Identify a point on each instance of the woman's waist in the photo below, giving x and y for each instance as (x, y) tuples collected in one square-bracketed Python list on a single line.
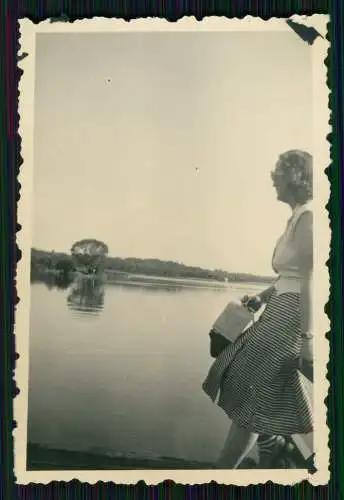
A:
[(288, 283)]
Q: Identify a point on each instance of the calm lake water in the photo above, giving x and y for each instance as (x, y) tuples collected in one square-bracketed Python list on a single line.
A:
[(119, 369)]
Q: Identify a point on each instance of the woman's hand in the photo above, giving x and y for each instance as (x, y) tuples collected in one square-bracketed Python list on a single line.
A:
[(306, 353), (305, 362), (253, 303)]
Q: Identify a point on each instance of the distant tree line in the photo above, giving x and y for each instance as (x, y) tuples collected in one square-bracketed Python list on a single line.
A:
[(43, 261)]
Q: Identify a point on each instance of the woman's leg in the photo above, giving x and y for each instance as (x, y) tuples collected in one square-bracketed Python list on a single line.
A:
[(270, 447), (267, 449), (238, 444)]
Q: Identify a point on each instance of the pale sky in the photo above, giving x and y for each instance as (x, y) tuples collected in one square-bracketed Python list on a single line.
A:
[(161, 144)]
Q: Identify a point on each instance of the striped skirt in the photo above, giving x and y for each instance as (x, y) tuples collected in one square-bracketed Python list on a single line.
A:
[(256, 379)]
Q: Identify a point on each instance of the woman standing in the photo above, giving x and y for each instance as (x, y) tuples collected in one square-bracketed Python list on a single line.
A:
[(257, 377)]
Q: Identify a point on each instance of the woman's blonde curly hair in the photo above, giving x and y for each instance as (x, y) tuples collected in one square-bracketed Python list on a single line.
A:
[(297, 166)]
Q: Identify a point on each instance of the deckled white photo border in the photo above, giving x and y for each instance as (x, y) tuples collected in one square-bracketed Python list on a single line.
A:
[(28, 31)]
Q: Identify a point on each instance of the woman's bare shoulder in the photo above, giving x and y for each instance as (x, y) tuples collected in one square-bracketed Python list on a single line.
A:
[(305, 221)]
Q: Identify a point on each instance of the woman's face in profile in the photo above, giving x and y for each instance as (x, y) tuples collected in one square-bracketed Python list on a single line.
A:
[(280, 182)]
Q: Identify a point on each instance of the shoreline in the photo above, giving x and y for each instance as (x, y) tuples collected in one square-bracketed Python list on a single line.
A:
[(133, 279), (40, 457), (137, 268)]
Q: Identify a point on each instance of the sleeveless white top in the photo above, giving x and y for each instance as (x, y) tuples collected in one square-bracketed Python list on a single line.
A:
[(285, 260)]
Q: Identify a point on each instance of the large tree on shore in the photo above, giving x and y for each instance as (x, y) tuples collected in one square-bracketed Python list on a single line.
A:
[(89, 254)]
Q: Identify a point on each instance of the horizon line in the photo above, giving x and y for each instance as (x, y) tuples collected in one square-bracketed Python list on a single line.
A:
[(166, 260)]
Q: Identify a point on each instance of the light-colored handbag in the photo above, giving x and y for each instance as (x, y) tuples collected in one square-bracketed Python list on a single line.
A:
[(233, 320)]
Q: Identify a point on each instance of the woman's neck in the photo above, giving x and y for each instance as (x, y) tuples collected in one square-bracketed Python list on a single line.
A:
[(293, 204)]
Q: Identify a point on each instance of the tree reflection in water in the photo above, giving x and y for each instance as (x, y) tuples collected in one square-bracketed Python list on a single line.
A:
[(86, 295), (61, 281)]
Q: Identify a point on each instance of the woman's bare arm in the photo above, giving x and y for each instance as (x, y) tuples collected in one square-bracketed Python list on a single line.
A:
[(304, 244)]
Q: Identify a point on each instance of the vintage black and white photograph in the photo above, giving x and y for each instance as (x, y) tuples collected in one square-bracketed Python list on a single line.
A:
[(173, 278)]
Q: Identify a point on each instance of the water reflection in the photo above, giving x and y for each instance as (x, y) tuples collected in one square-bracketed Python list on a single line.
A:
[(62, 281), (86, 296)]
